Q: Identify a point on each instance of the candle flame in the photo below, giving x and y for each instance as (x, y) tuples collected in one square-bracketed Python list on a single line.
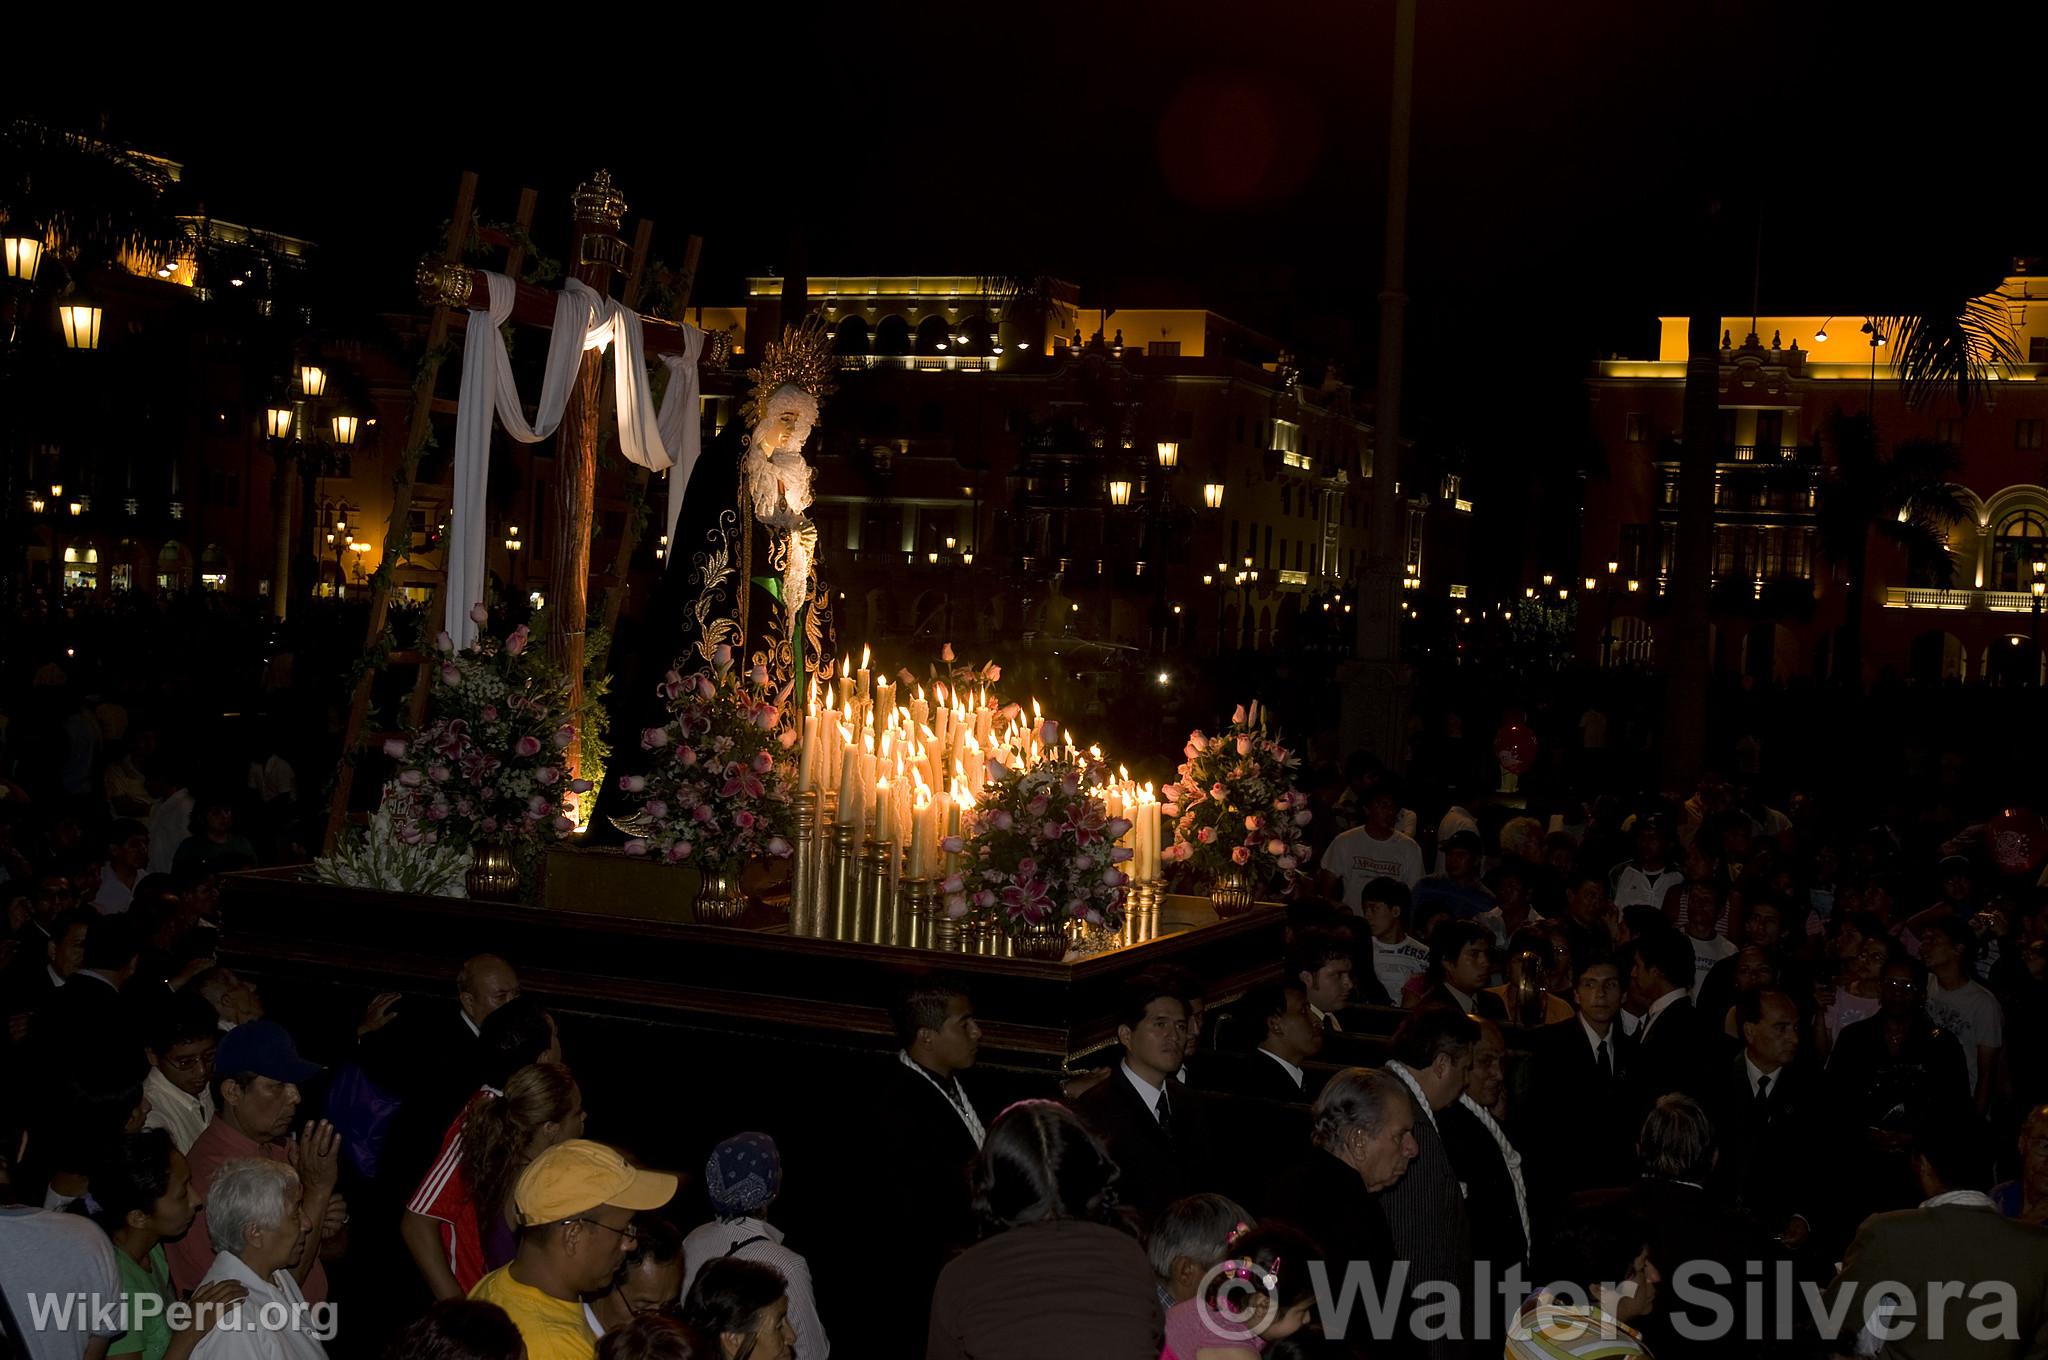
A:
[(863, 656), (1036, 716)]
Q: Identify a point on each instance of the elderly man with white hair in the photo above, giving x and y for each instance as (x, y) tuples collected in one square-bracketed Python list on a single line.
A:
[(256, 1216)]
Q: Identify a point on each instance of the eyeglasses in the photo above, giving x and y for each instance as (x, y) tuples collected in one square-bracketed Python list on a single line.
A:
[(629, 1232)]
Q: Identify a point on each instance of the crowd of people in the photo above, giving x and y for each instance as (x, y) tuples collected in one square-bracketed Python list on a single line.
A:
[(1654, 1072)]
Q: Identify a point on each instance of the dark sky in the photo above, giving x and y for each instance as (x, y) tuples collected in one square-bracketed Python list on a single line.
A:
[(1567, 157)]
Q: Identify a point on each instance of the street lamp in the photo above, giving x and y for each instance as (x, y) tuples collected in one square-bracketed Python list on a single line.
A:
[(81, 321), (24, 253), (312, 380), (1212, 495), (345, 430), (1119, 493), (512, 543), (2039, 585), (278, 421), (1169, 454)]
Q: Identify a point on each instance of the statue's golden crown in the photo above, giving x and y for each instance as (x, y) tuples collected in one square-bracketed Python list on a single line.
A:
[(802, 356)]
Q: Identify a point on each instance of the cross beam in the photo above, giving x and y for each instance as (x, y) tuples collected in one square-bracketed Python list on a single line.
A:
[(464, 289)]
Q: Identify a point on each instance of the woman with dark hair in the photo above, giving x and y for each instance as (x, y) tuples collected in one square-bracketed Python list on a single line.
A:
[(656, 1336), (143, 1195), (1046, 1193), (459, 1329), (744, 1305), (1261, 1292), (458, 1225)]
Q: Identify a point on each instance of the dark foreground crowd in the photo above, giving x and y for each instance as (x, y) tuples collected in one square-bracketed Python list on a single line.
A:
[(1689, 1077)]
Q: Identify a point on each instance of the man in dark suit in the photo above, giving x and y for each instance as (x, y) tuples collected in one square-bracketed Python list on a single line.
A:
[(431, 1057), (92, 1009), (1581, 1121), (1154, 1126), (1675, 1050), (1488, 1163), (927, 1133), (1426, 1209), (1461, 961), (1957, 1259), (1273, 1070), (1767, 1112)]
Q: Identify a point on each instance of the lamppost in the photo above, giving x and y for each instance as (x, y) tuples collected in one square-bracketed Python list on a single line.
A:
[(2039, 585)]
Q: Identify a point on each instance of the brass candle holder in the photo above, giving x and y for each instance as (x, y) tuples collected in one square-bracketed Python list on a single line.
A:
[(1153, 901), (871, 907), (913, 913), (840, 880), (802, 875)]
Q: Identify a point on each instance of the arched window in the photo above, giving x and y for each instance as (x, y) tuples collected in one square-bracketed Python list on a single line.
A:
[(892, 336), (934, 335), (851, 337), (2021, 541)]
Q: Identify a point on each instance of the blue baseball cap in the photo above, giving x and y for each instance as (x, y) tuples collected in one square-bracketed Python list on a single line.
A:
[(265, 1048)]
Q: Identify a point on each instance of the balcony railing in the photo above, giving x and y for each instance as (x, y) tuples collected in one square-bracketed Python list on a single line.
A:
[(1959, 601)]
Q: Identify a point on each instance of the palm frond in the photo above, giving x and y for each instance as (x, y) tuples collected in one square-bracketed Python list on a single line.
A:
[(1925, 544), (1951, 349)]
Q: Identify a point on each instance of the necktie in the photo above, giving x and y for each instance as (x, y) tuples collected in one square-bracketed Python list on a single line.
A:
[(1763, 1095), (1606, 1061), (1164, 1109)]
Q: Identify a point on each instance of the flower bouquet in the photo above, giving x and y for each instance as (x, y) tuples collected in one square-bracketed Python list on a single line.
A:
[(1238, 820), (720, 786), (489, 766), (1039, 851)]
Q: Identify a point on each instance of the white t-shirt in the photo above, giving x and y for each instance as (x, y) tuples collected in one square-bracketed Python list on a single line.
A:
[(1637, 887), (1971, 1013), (1705, 954), (1356, 858), (1394, 964)]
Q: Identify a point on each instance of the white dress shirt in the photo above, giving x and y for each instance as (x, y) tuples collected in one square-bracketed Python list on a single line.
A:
[(712, 1240), (1422, 1105), (186, 1116), (1593, 1040), (1659, 1006), (244, 1334), (1293, 1072), (1147, 1092)]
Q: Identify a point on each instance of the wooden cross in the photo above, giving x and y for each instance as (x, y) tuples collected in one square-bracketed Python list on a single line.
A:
[(595, 252)]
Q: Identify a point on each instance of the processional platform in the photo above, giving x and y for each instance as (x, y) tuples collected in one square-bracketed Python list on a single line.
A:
[(618, 937)]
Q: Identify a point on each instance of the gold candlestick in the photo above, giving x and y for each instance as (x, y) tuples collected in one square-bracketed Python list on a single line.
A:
[(913, 913), (1153, 901), (802, 875), (842, 874), (871, 896)]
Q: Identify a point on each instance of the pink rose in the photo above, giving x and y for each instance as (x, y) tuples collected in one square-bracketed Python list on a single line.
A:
[(1001, 820), (1049, 733), (952, 845), (1117, 828), (438, 773), (395, 748), (1169, 809), (526, 746), (489, 713), (788, 739), (759, 675), (563, 826), (1244, 746), (680, 851), (636, 847), (546, 775), (779, 848), (1276, 847), (654, 738), (479, 614), (743, 819), (953, 884), (992, 672), (1113, 878), (1254, 823), (1240, 855), (722, 658), (1207, 835), (449, 675), (1289, 863), (536, 806), (1119, 854), (411, 779), (633, 783), (443, 642), (564, 736), (686, 756), (956, 905), (946, 653), (1237, 716), (763, 762), (1304, 817), (438, 813), (516, 643), (705, 689), (488, 825), (657, 808), (1218, 792), (701, 812)]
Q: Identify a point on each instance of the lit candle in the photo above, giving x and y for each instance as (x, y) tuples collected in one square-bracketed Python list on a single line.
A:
[(885, 824), (861, 686), (921, 821), (849, 783), (846, 685)]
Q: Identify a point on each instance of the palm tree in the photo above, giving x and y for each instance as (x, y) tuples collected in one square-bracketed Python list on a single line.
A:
[(1906, 498), (96, 201)]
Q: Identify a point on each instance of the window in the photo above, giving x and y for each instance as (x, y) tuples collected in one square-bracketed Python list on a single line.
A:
[(124, 576), (1240, 427), (1770, 432), (1286, 437), (2020, 542), (1266, 558), (424, 526), (1162, 349), (2037, 349), (1727, 430), (2026, 434), (1286, 499), (1638, 427), (1949, 432)]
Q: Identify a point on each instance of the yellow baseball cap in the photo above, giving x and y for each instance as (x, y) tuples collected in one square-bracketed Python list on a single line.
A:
[(577, 1176)]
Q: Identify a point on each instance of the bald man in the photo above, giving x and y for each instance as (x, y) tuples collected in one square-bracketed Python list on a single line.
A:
[(432, 1059)]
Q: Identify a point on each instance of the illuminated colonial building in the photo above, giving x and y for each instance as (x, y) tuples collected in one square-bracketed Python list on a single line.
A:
[(1778, 600), (1152, 479)]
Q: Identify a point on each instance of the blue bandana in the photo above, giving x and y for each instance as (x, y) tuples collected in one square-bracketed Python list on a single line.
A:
[(744, 1175)]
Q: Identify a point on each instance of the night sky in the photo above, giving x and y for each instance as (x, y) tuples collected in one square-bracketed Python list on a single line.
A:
[(1568, 158)]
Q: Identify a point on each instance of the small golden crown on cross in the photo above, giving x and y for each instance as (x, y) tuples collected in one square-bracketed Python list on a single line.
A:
[(599, 200)]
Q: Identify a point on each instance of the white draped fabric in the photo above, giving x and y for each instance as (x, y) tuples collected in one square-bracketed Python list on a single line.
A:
[(584, 320)]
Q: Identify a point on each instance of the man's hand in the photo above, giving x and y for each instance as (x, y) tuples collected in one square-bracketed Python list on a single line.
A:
[(210, 1305), (379, 1012), (335, 1220), (316, 1156)]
